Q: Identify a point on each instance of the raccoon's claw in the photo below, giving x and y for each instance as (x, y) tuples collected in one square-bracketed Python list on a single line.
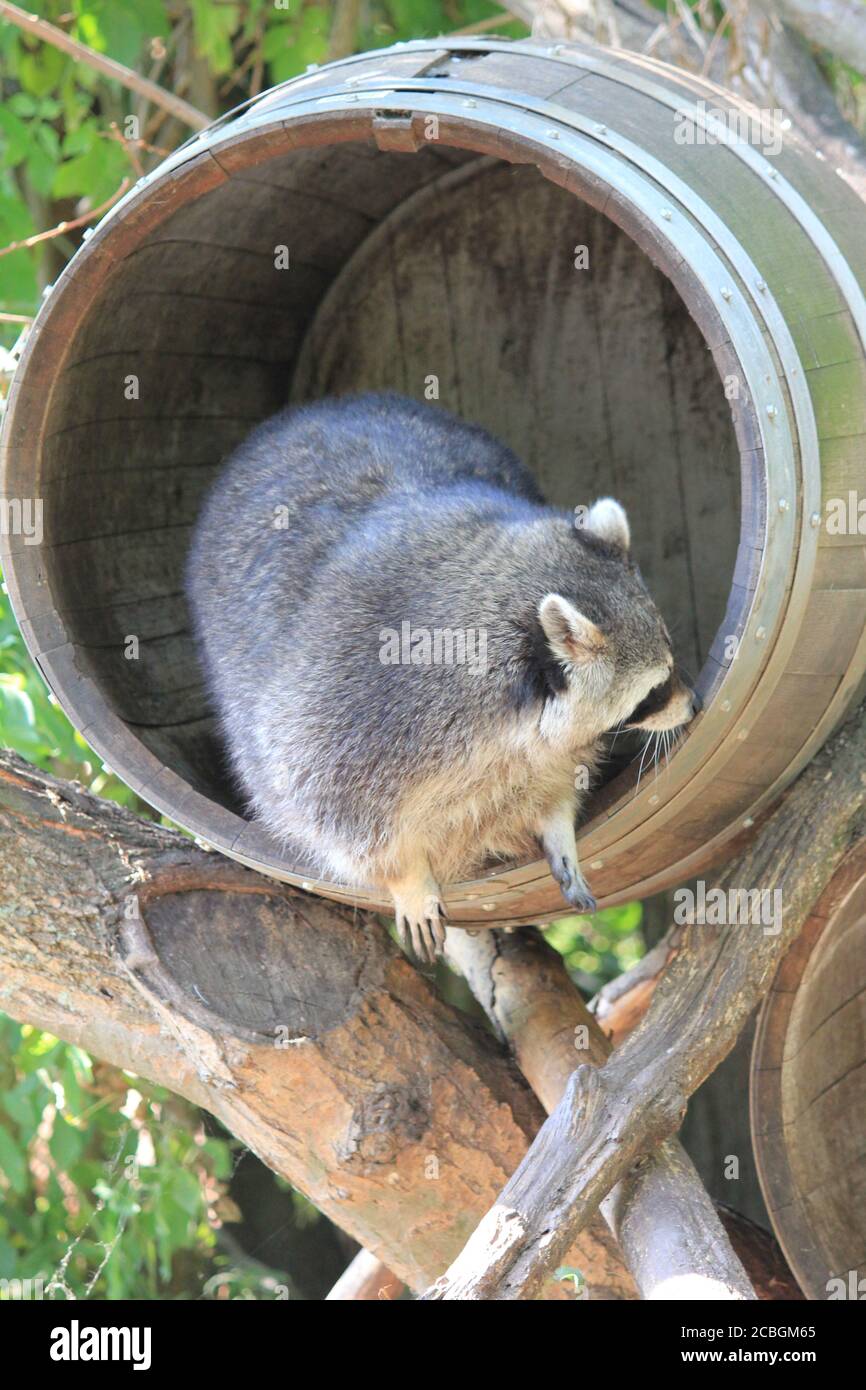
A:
[(573, 886), (424, 933), (582, 900)]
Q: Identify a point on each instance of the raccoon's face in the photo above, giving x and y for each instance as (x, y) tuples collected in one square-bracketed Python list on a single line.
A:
[(619, 665)]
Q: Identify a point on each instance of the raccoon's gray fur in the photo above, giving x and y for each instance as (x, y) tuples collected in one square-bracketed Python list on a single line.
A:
[(331, 527)]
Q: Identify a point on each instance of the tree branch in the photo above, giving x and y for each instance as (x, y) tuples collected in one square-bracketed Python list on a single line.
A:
[(59, 230), (779, 71), (839, 26), (365, 1280), (673, 1241), (620, 1005), (344, 28), (756, 56), (610, 1118), (48, 33)]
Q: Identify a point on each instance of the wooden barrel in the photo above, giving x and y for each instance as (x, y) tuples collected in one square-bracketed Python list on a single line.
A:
[(808, 1093), (602, 259)]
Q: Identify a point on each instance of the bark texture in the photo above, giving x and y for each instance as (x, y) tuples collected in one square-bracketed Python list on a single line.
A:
[(298, 1023)]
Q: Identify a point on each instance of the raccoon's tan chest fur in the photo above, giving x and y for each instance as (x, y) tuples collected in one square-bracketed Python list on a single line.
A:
[(491, 803)]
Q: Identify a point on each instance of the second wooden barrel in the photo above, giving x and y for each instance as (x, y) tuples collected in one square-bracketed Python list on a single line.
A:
[(808, 1093)]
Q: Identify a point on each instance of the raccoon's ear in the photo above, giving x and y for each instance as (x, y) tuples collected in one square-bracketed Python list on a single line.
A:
[(571, 635), (607, 520)]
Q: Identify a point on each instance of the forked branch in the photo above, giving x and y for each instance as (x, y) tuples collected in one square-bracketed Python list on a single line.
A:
[(610, 1118)]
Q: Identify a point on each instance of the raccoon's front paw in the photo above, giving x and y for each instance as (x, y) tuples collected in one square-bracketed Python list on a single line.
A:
[(573, 885), (421, 925)]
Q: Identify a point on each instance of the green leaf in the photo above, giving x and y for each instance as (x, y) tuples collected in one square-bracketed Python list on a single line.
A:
[(41, 166), (15, 137), (121, 28), (291, 48), (17, 720), (213, 27), (417, 18), (97, 173), (172, 1224), (76, 1068), (23, 104), (66, 1143), (186, 1191), (18, 290), (8, 1259), (81, 139), (221, 1157), (39, 72), (13, 1162), (47, 137), (277, 42), (21, 1106)]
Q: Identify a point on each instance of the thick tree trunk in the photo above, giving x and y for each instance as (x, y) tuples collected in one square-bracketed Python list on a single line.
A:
[(298, 1024)]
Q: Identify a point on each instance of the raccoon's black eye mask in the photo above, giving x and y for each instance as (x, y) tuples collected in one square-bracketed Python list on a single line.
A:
[(652, 703)]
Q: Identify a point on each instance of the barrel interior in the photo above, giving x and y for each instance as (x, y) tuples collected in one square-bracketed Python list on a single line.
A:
[(345, 267)]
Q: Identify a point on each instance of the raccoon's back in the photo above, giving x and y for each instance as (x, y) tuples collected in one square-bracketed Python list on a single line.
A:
[(331, 529), (298, 487)]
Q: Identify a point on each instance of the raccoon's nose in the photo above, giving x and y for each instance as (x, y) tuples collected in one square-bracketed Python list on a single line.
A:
[(697, 703)]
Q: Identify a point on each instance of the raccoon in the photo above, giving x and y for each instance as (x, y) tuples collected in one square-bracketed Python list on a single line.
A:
[(341, 541)]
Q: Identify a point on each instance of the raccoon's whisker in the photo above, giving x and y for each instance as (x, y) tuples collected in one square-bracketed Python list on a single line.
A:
[(616, 731), (647, 749), (643, 757), (637, 754), (657, 751)]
